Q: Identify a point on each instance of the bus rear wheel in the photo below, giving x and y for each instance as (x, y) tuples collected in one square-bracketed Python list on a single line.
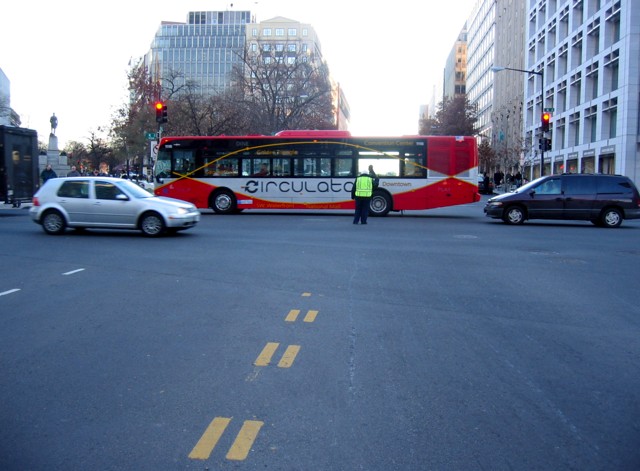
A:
[(224, 202), (380, 204)]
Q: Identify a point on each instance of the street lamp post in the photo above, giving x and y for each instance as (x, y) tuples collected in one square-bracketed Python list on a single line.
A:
[(498, 68)]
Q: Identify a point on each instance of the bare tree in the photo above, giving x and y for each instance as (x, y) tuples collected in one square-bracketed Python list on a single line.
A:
[(284, 88), (133, 119)]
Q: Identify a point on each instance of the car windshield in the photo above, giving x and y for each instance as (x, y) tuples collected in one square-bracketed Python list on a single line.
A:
[(134, 190), (530, 185)]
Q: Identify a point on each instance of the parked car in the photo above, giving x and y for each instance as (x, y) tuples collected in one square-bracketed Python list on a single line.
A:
[(605, 200), (111, 203)]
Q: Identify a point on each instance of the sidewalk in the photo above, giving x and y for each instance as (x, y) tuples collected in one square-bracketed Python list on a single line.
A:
[(10, 210)]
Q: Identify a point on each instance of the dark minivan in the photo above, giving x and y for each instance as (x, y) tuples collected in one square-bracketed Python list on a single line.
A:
[(605, 200)]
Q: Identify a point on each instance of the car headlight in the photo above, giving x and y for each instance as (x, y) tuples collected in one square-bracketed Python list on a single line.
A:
[(182, 211), (495, 203)]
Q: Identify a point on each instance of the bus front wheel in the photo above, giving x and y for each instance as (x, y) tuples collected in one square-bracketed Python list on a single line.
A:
[(224, 202), (380, 203)]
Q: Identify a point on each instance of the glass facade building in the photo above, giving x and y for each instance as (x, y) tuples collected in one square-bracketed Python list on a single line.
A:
[(203, 50)]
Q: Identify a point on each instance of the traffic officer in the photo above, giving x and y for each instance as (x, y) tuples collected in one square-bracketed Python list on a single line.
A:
[(361, 192)]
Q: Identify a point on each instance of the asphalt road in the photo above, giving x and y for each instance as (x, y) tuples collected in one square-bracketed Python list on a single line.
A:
[(436, 340)]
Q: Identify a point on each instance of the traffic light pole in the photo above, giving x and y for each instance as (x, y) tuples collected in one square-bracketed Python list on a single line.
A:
[(499, 68), (544, 137)]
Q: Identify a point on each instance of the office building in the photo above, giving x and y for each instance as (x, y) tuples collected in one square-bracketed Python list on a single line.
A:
[(589, 53), (455, 70), (203, 50)]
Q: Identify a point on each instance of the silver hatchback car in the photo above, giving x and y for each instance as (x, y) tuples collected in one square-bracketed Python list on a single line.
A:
[(108, 203)]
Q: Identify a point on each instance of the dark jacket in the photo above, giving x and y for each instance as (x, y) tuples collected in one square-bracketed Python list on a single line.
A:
[(48, 175)]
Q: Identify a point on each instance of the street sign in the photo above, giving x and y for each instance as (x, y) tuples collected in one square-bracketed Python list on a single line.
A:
[(153, 151), (150, 136), (549, 110)]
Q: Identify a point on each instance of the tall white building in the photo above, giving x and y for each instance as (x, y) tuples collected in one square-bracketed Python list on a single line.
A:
[(589, 53), (480, 59)]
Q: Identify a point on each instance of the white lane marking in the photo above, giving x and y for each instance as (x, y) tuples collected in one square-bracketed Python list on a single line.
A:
[(73, 271), (9, 292)]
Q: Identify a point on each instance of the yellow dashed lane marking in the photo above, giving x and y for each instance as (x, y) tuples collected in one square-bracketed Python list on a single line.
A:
[(270, 349), (289, 355), (240, 447), (244, 441), (209, 439), (311, 316), (294, 313), (267, 352)]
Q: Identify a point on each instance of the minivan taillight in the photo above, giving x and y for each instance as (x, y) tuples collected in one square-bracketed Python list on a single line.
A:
[(35, 201)]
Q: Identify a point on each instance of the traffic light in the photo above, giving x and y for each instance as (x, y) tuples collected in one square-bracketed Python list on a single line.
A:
[(161, 112), (546, 117), (544, 144)]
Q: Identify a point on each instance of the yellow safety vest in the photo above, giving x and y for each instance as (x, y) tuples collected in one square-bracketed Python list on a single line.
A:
[(364, 186)]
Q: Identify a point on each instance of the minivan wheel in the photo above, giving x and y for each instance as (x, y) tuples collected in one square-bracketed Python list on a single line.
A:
[(513, 215), (53, 222), (611, 217)]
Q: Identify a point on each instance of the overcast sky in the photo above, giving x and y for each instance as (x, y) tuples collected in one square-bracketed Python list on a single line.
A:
[(71, 58)]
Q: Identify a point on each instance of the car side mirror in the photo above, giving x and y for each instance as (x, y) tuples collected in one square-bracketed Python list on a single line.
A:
[(121, 197)]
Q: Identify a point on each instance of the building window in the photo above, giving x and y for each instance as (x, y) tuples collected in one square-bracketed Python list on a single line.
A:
[(266, 32), (593, 38), (577, 15), (576, 51), (574, 129), (611, 70), (279, 31), (610, 118), (559, 134), (576, 90), (305, 32), (591, 123), (591, 89), (561, 97), (292, 32), (612, 25)]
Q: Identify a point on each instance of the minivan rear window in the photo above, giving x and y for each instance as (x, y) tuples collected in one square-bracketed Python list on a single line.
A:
[(613, 185)]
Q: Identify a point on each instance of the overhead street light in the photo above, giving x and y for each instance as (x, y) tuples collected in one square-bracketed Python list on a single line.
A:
[(499, 68)]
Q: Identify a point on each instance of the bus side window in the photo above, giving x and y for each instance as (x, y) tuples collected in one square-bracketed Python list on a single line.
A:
[(281, 168), (412, 168)]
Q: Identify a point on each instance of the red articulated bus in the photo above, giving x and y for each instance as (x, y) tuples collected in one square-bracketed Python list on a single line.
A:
[(316, 170)]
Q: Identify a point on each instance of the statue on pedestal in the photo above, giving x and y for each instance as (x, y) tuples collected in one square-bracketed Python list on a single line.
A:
[(54, 124)]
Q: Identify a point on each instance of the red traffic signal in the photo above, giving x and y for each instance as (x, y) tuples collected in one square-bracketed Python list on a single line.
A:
[(546, 117)]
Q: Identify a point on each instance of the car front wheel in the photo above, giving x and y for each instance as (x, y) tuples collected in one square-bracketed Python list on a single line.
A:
[(53, 222), (152, 225)]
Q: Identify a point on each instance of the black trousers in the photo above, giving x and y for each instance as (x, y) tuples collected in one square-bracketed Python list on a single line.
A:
[(362, 210)]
